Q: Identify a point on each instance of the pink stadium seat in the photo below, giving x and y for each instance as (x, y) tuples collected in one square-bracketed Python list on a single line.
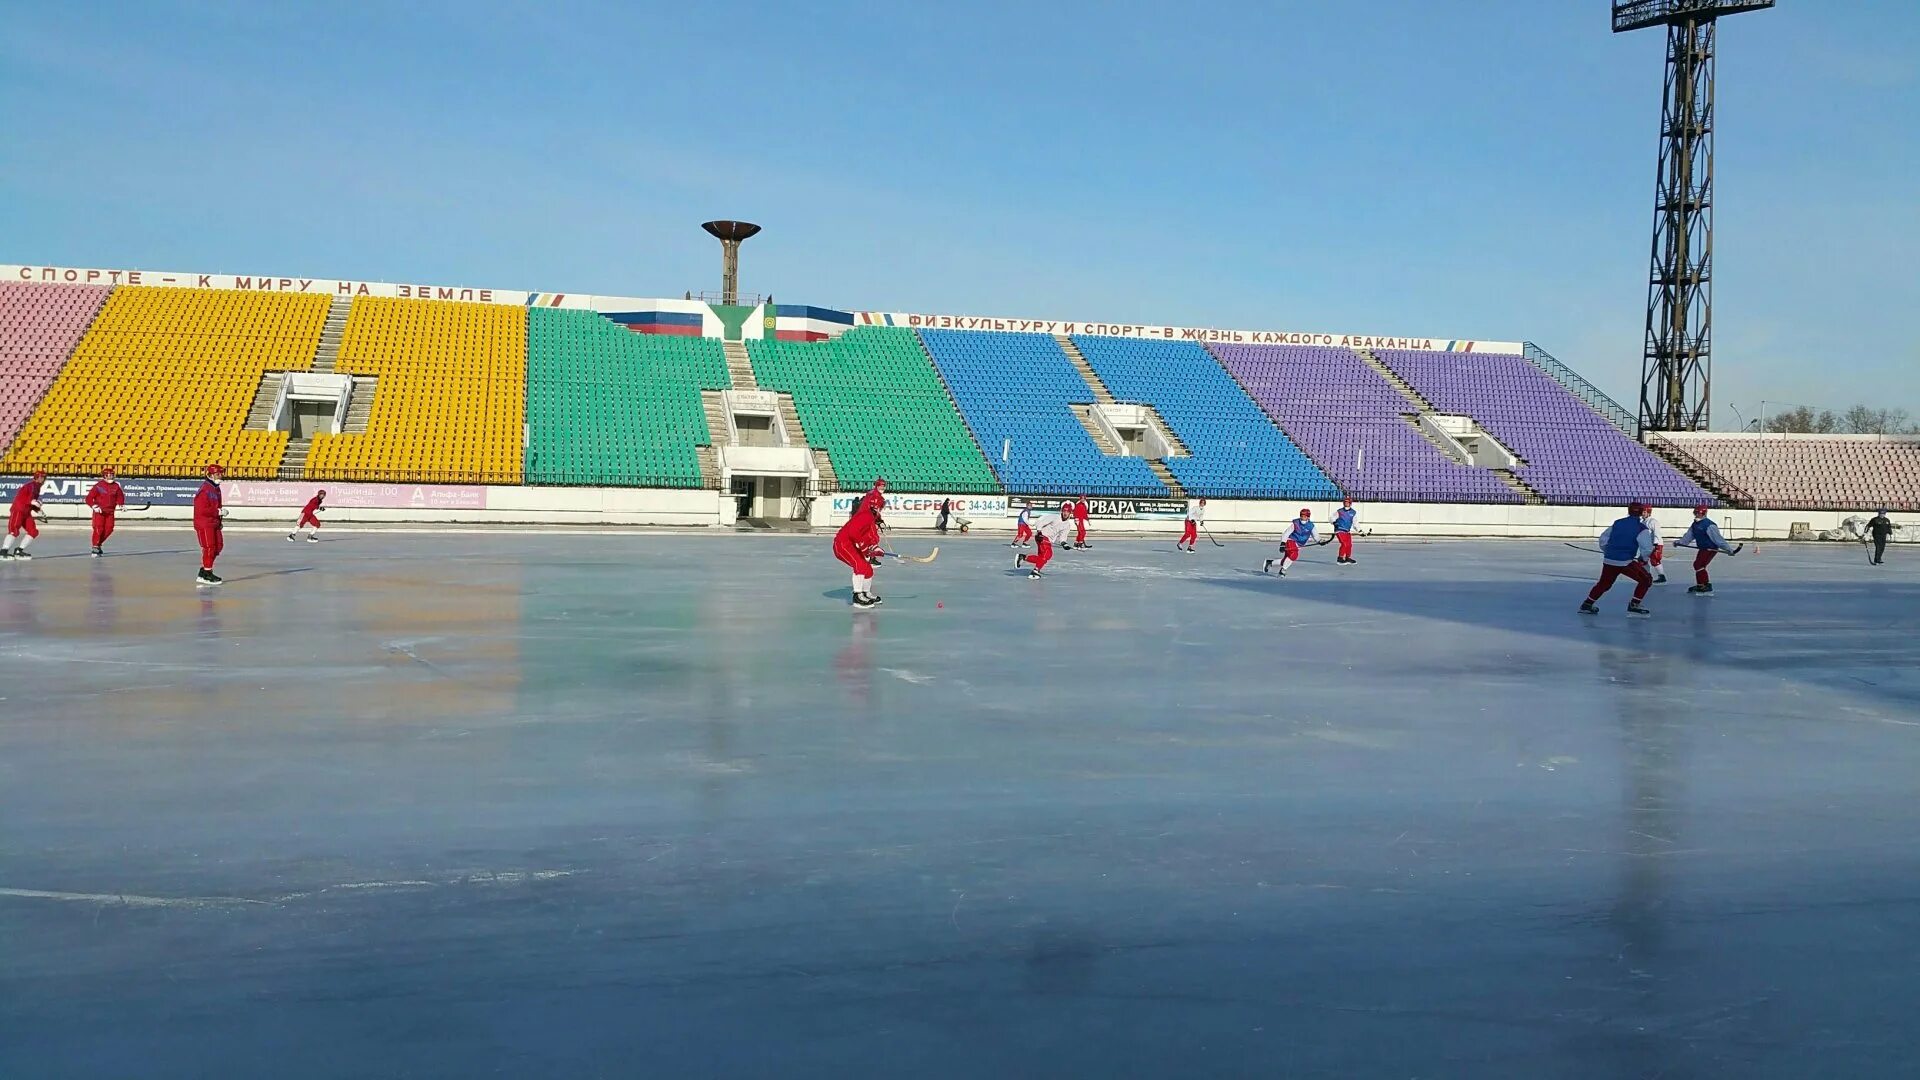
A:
[(39, 326), (1816, 472)]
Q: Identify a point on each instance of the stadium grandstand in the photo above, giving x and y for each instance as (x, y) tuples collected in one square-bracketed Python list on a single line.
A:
[(347, 381)]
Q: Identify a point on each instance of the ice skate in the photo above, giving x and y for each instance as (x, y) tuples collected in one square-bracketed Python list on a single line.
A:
[(24, 556), (1636, 610), (1267, 567), (314, 539), (1019, 561), (1587, 608), (207, 577), (97, 552), (290, 538), (1701, 590), (861, 599), (1034, 574)]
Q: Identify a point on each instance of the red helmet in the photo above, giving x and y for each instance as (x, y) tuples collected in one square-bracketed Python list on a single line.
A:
[(215, 470), (1305, 513), (39, 474), (879, 481), (1636, 508), (1348, 501), (1700, 511)]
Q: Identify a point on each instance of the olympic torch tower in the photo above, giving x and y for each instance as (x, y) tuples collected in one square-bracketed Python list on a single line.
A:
[(1676, 369), (731, 235)]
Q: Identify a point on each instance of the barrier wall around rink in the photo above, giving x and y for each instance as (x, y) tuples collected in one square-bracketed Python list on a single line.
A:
[(429, 504)]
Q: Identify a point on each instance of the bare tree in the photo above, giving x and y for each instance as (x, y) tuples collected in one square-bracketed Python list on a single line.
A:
[(1804, 420), (1858, 420)]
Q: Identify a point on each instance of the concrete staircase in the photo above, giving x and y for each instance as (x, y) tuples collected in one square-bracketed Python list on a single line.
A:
[(1432, 440), (1166, 477), (260, 414), (1512, 480), (715, 406), (359, 405), (293, 465), (740, 366), (790, 419), (822, 464), (716, 410), (1174, 442), (327, 352), (1084, 414), (1100, 391), (1414, 397)]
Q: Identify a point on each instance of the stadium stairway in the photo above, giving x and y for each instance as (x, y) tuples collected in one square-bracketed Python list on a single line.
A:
[(1084, 414), (870, 403), (1166, 477), (740, 366), (1414, 397), (719, 433), (1700, 472), (1421, 404), (1104, 395), (327, 352), (1100, 391)]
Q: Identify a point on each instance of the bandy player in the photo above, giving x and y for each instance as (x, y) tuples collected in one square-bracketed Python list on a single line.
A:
[(310, 518), (1299, 536)]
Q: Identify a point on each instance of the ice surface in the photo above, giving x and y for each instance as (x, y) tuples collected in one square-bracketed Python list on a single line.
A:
[(648, 805)]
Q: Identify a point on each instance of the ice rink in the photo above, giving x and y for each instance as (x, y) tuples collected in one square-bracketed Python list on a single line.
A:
[(454, 805)]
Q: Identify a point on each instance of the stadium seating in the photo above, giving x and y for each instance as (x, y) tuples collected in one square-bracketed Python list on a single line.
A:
[(1015, 389), (1572, 454), (607, 406), (1815, 472), (451, 400), (1234, 449), (870, 398), (1351, 422), (161, 383), (39, 326)]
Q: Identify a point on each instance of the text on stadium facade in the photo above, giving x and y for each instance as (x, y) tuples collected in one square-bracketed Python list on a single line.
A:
[(1197, 334)]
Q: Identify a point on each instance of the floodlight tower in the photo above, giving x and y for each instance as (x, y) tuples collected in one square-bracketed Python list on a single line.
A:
[(730, 234), (1676, 370)]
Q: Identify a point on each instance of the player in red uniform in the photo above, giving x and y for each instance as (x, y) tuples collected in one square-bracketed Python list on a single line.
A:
[(21, 527), (858, 545), (206, 524), (876, 498), (106, 498), (1080, 522), (310, 517)]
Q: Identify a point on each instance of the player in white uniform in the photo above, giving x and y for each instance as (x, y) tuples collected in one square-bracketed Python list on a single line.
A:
[(1056, 531)]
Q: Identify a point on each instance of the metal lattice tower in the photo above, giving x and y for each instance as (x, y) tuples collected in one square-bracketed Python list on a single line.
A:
[(1676, 369)]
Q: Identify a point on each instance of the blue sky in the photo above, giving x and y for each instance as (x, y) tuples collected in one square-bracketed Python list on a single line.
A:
[(1476, 168)]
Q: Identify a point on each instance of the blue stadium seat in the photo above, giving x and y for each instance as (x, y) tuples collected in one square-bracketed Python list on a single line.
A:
[(1016, 389), (1235, 450)]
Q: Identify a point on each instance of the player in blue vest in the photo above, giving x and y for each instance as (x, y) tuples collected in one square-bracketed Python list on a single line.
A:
[(1625, 546), (1302, 533), (1343, 532), (1704, 536)]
